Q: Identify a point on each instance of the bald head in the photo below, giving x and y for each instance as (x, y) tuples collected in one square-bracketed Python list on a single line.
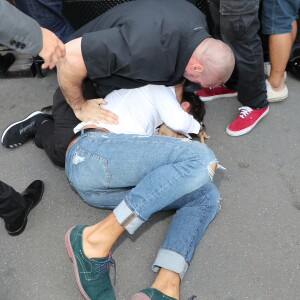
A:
[(211, 64)]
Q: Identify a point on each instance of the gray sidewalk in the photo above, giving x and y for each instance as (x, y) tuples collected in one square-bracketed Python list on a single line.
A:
[(250, 251)]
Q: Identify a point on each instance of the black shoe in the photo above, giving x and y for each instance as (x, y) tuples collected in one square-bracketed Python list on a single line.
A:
[(22, 131), (33, 195), (6, 61)]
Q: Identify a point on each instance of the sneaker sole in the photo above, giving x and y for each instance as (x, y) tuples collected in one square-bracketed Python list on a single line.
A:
[(246, 130), (205, 99), (279, 99), (10, 126), (73, 259)]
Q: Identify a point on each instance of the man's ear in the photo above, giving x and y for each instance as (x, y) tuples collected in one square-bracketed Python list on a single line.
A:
[(185, 106), (197, 68)]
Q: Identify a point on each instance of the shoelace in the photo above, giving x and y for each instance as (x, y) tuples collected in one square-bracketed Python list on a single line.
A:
[(103, 267), (244, 111)]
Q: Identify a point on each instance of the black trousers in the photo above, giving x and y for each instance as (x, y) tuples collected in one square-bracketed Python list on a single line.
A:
[(237, 24), (12, 203), (55, 136)]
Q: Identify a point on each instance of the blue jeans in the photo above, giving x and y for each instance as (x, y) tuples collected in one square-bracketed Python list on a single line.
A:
[(48, 14), (140, 175)]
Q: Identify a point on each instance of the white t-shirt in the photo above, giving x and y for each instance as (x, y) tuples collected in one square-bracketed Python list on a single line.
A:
[(143, 109)]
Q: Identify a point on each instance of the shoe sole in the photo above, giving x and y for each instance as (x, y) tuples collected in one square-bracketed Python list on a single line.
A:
[(274, 100), (22, 228), (246, 130), (10, 126), (206, 99), (279, 99), (73, 259)]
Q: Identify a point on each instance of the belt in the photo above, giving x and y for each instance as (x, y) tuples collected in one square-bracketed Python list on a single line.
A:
[(83, 131)]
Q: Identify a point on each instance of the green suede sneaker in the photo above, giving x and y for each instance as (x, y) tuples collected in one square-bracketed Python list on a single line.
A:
[(151, 294), (92, 275)]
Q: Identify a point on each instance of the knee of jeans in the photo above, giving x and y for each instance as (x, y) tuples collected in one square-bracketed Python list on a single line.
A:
[(213, 194), (205, 157)]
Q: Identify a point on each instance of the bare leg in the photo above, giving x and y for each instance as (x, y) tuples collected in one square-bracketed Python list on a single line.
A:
[(167, 282), (97, 240), (280, 48)]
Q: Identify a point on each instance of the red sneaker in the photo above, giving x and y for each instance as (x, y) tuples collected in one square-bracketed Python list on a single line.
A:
[(211, 93), (246, 120)]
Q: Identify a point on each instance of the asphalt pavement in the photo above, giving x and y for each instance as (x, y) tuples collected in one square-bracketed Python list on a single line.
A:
[(250, 251)]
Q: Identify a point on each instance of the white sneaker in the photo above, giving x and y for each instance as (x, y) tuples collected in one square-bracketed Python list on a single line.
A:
[(267, 69), (276, 96)]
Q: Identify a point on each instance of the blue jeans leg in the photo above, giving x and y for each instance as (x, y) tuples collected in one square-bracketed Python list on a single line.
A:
[(140, 175), (195, 210), (48, 14)]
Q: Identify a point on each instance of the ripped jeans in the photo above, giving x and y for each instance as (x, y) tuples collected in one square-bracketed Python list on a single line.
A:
[(139, 175)]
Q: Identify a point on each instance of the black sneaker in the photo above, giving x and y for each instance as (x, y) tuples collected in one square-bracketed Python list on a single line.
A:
[(33, 195), (6, 61), (22, 131)]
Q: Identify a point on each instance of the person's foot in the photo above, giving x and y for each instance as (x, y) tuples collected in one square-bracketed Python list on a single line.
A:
[(151, 294), (276, 96), (6, 61), (211, 93), (92, 274), (22, 131), (246, 120), (33, 195)]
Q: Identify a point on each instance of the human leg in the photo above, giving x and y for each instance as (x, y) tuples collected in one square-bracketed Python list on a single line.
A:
[(55, 136), (51, 133), (12, 204), (157, 167), (239, 27), (195, 210), (278, 21), (15, 207), (167, 171), (48, 14)]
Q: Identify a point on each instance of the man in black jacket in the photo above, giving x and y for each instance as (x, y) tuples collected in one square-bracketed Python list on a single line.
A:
[(132, 44), (141, 42)]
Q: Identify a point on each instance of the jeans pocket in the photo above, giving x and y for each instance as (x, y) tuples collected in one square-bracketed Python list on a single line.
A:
[(88, 172)]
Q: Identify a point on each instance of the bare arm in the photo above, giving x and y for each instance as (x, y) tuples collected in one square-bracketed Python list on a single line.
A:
[(71, 72)]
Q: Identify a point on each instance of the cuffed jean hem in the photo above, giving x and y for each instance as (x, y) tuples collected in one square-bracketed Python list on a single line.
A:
[(127, 218), (170, 260)]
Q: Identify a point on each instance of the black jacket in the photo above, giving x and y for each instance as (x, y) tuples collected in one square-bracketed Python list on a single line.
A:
[(140, 42)]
